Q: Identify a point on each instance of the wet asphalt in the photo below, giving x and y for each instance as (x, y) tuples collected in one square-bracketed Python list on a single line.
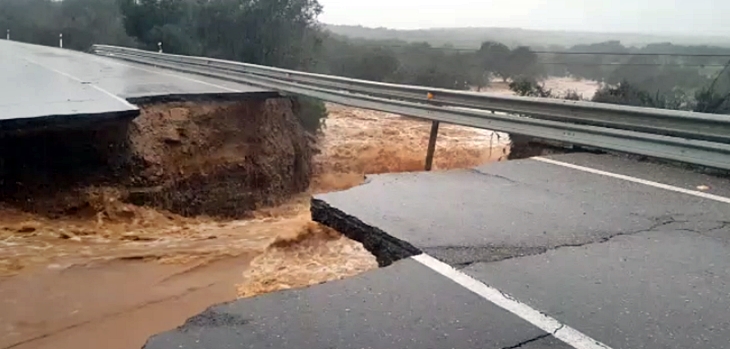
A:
[(626, 264), (52, 87)]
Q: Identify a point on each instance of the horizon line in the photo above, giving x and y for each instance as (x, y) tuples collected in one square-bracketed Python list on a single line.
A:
[(583, 31)]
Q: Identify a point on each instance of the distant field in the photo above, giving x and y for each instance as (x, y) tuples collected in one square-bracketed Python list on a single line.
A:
[(473, 37)]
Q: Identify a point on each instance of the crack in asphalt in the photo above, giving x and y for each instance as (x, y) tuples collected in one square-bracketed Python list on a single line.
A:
[(389, 249), (612, 236), (520, 344), (505, 295), (511, 252), (723, 225), (477, 171), (558, 329)]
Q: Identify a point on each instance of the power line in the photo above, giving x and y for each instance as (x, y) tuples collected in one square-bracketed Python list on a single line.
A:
[(712, 65), (633, 64), (635, 54)]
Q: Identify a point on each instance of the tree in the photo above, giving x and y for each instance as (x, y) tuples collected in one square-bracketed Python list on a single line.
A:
[(594, 67), (494, 58), (499, 60), (715, 98), (82, 22), (278, 33), (377, 63), (626, 93), (530, 88), (522, 63)]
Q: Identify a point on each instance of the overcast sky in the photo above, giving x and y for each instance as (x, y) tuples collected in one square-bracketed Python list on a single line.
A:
[(647, 16)]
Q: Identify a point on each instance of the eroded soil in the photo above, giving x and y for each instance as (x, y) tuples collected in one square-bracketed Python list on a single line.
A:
[(109, 273)]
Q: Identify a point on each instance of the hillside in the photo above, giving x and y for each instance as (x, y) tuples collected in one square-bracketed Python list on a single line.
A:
[(473, 37)]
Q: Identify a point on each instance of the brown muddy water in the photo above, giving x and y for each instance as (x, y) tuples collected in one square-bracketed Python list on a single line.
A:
[(113, 279)]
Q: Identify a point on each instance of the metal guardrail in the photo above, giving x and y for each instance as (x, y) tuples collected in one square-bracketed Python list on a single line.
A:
[(659, 121), (697, 138)]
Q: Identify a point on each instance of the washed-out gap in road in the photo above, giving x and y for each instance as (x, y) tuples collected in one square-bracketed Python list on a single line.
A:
[(292, 251)]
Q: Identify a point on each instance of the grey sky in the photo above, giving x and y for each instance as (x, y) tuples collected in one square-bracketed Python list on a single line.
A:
[(649, 16)]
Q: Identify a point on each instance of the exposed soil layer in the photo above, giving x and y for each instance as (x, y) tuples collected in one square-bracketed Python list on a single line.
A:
[(154, 268), (217, 159), (221, 159), (96, 221), (46, 171)]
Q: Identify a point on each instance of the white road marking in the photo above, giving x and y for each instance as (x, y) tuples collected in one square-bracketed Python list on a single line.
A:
[(120, 99), (161, 72), (546, 323), (636, 180)]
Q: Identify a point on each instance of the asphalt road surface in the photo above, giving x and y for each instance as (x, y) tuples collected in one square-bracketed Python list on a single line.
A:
[(596, 242), (568, 251), (406, 305), (46, 84)]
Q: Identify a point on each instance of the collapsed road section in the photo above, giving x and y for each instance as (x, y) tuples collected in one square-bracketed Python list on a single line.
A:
[(67, 132), (153, 201), (586, 245), (82, 140)]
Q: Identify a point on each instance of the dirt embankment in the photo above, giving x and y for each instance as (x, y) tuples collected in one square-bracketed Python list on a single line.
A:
[(218, 159)]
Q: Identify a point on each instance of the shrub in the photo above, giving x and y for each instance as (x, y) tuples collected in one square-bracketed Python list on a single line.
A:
[(311, 112), (529, 88)]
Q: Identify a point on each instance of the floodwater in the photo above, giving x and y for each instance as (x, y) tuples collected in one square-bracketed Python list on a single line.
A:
[(114, 279), (559, 85)]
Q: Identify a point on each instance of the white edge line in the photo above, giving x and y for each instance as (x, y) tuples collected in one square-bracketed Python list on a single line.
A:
[(563, 332), (161, 71), (120, 99), (635, 180)]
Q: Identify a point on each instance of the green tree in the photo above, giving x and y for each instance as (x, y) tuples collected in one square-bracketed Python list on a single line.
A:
[(277, 33), (494, 58), (594, 67), (626, 93), (82, 22), (527, 87), (522, 63)]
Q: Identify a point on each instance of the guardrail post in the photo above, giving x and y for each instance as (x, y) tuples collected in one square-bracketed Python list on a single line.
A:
[(60, 40), (159, 46), (7, 34), (432, 144)]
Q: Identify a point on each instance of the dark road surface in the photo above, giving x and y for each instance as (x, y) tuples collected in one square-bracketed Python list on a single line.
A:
[(616, 253), (402, 306), (46, 85)]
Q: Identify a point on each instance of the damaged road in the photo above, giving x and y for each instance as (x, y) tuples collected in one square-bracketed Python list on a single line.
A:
[(523, 254), (624, 261), (401, 306)]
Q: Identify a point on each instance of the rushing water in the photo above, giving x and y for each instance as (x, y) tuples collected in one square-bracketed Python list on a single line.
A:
[(141, 260)]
